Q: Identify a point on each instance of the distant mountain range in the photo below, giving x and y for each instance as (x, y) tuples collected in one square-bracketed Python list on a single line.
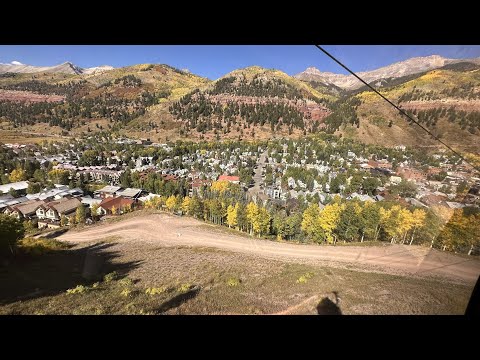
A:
[(312, 74), (400, 69), (65, 68), (163, 103)]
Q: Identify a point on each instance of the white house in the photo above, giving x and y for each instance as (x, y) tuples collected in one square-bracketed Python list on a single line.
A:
[(54, 210)]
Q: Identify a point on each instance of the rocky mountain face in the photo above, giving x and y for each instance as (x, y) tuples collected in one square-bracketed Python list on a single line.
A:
[(400, 69), (65, 68)]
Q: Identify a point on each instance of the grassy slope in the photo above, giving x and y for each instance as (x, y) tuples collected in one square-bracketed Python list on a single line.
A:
[(375, 114), (260, 286)]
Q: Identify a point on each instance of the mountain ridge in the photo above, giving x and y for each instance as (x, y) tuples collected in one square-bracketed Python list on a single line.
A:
[(410, 66), (65, 68)]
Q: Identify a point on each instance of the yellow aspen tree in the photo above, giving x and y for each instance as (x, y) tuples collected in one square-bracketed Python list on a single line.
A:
[(395, 222), (371, 219), (328, 221), (170, 203), (252, 215), (419, 217), (17, 174), (94, 209), (220, 186), (406, 222), (186, 205), (232, 213), (310, 225), (263, 221)]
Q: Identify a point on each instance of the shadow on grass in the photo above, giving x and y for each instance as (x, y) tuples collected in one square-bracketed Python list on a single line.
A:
[(28, 277), (178, 300), (53, 234)]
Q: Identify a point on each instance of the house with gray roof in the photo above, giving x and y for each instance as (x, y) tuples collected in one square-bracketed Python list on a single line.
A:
[(107, 191), (20, 186), (130, 193), (53, 211), (25, 210)]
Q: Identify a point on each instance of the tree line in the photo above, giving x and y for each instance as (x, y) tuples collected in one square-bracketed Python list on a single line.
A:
[(338, 221)]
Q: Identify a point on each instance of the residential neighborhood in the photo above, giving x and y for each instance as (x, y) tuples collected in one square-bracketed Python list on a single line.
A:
[(285, 171)]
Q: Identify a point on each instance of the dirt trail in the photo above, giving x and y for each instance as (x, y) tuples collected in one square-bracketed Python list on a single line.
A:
[(168, 230)]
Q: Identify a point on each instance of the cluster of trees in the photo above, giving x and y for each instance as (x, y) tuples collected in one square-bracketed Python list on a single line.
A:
[(256, 87), (8, 75), (11, 230), (15, 169), (468, 120), (154, 183), (339, 220), (464, 91), (356, 221), (343, 113), (128, 81), (69, 89), (21, 114), (77, 107), (203, 115)]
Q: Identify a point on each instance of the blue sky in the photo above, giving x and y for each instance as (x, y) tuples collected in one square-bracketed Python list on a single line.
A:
[(213, 61)]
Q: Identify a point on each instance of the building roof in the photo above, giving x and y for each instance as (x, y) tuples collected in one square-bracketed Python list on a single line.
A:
[(199, 182), (168, 177), (64, 205), (28, 207), (56, 193), (109, 189), (148, 197), (13, 201), (228, 178), (20, 185), (118, 202), (88, 200), (6, 197), (360, 197), (129, 192), (454, 205)]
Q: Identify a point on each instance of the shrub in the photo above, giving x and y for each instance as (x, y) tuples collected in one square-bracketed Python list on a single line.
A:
[(95, 285), (126, 292), (79, 289), (143, 312), (38, 247), (126, 282), (184, 288), (155, 291), (304, 278), (11, 230), (110, 276), (301, 280), (233, 282)]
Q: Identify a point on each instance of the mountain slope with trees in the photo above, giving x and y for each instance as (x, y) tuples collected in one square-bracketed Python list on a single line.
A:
[(252, 103), (163, 103)]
